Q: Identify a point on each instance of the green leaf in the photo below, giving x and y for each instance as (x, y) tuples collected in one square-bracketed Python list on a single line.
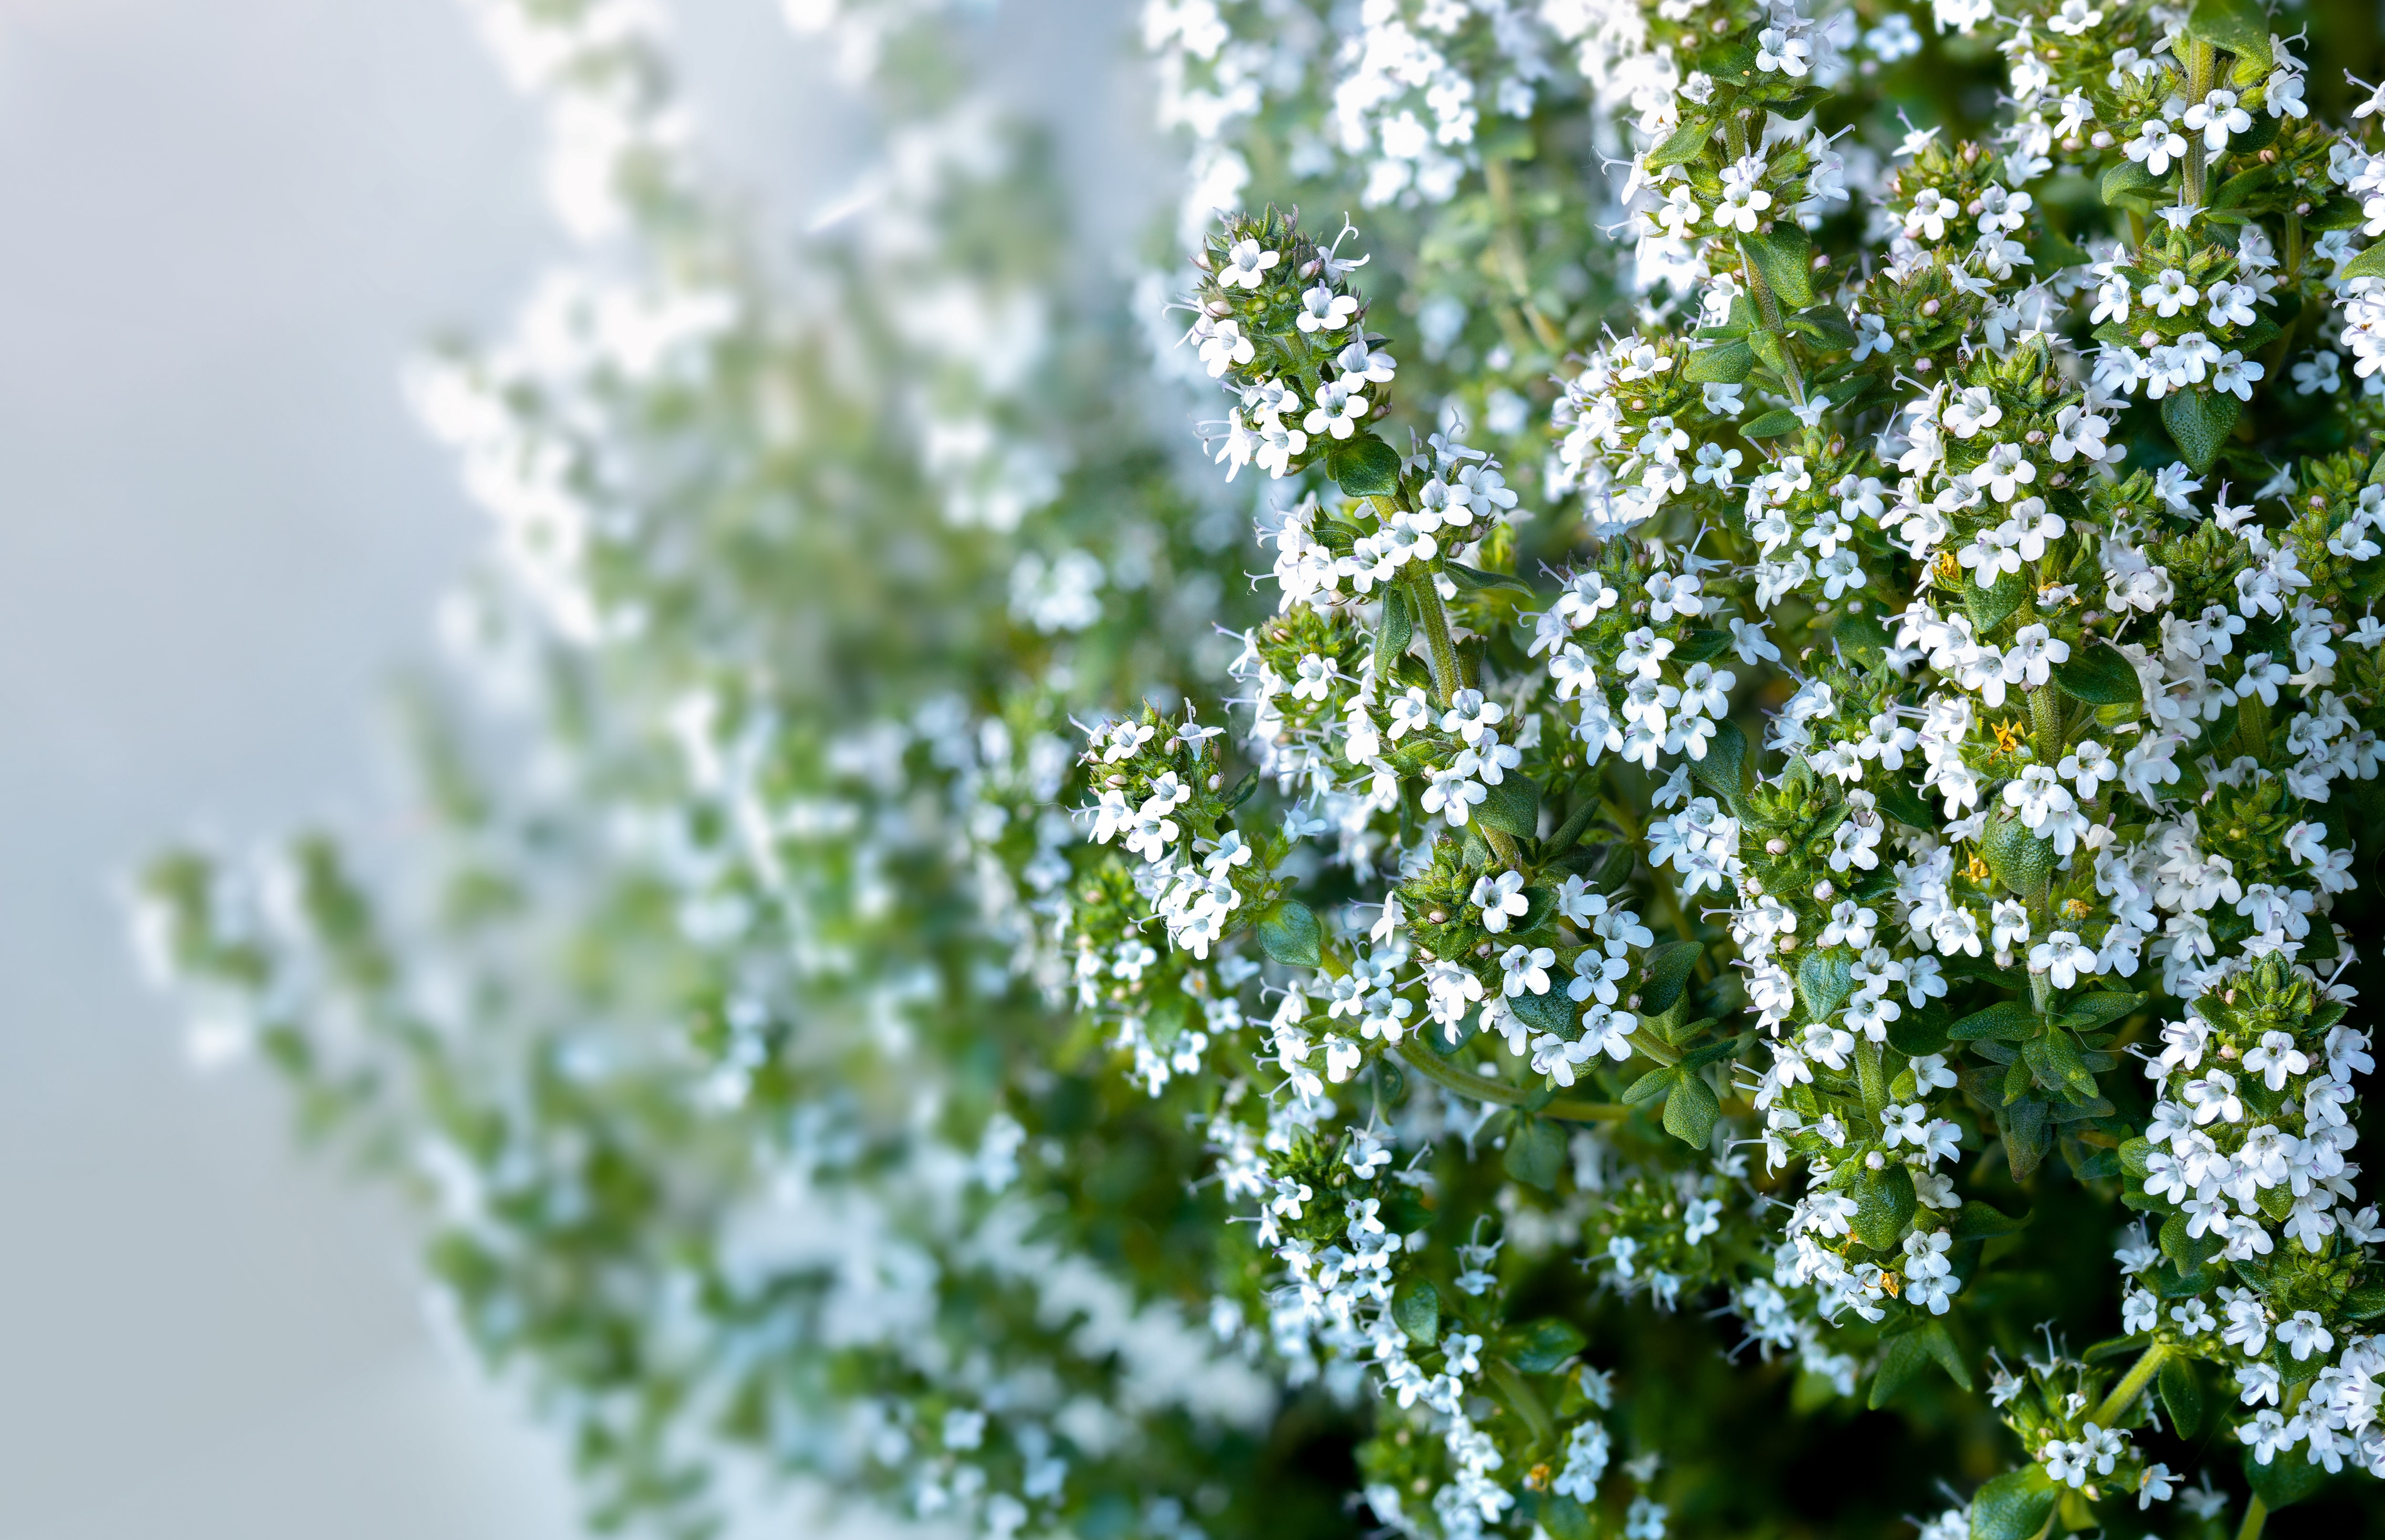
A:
[(1666, 972), (1564, 1518), (1477, 580), (1900, 801), (2096, 673), (2368, 263), (2285, 1481), (1827, 324), (2014, 1506), (2181, 1393), (1691, 1112), (1826, 979), (2128, 179), (1915, 1035), (1701, 645), (1884, 1206), (2007, 1021), (2240, 26), (1683, 143), (1512, 807), (2016, 855), (1536, 1153), (1771, 424), (1901, 1361), (2337, 213), (1720, 771), (1978, 1221), (1289, 933), (1651, 1086), (1940, 1344), (1988, 606), (1723, 363), (2055, 1059), (2199, 422), (2089, 1012), (1545, 1345), (1415, 1310), (1783, 255), (1363, 465), (2365, 1303), (1551, 1013), (2025, 1133), (1392, 636)]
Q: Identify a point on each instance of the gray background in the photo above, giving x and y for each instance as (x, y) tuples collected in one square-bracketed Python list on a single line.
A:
[(227, 222)]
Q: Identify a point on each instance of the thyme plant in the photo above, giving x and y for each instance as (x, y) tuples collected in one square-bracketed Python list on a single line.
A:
[(1752, 932)]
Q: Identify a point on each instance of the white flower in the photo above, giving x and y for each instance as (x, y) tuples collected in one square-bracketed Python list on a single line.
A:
[(2155, 146), (1500, 898), (1246, 264)]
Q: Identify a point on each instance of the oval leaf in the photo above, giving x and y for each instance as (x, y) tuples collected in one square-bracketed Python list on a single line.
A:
[(2099, 676), (1666, 973), (1690, 1112), (1289, 933)]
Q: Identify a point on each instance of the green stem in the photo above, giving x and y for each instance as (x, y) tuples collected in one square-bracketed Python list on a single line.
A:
[(2255, 1516), (1767, 305), (1656, 1047), (2132, 1386), (2200, 63), (1476, 1087), (1448, 679), (2045, 716)]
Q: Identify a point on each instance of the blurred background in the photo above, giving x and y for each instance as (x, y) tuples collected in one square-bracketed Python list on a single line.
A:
[(229, 222)]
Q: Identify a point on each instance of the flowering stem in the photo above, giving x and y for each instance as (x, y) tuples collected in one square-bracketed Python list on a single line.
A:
[(1868, 1076), (2199, 71), (2255, 1516), (1476, 1087), (1767, 306), (1510, 250), (2132, 1386)]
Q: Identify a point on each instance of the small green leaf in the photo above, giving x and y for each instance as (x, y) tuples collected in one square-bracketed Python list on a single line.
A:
[(2199, 422), (1771, 424), (1477, 580), (1978, 1221), (1416, 1312), (1691, 1112), (1666, 972), (2096, 673), (1940, 1344), (2089, 1012), (1884, 1206), (1701, 645), (2054, 1057), (1392, 636), (1289, 933), (1564, 1518), (2014, 1506), (1651, 1086), (2286, 1479), (1536, 1153), (1826, 979), (1916, 1035), (2017, 856), (2368, 263), (1720, 771), (2337, 213), (1512, 807), (1901, 1361), (1723, 363), (1551, 1013), (2240, 26), (1783, 255), (1827, 324), (1363, 465), (2130, 178), (2181, 1394), (1683, 143), (1902, 804), (1988, 606), (1545, 1345), (2052, 249)]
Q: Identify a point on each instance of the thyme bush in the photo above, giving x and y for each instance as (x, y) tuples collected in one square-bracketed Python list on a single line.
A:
[(1754, 931)]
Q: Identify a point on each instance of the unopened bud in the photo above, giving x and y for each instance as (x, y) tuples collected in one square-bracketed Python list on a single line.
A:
[(1822, 890)]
